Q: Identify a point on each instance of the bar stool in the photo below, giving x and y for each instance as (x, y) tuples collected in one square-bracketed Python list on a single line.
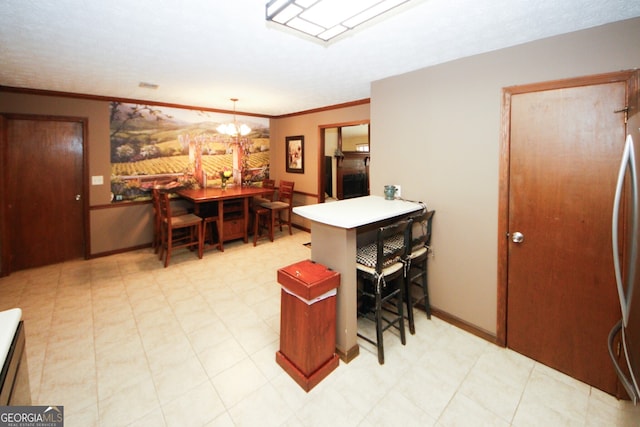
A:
[(260, 221), (272, 211), (171, 227), (381, 271), (269, 184), (260, 214), (416, 265), (157, 219), (208, 224)]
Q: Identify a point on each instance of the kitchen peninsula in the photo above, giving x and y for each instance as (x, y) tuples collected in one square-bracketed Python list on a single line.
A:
[(336, 228)]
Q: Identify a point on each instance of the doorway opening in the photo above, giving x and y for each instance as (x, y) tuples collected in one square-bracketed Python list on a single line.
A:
[(344, 165)]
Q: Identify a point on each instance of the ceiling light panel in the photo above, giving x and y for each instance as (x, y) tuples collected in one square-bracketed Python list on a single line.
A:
[(372, 12), (325, 19), (305, 26)]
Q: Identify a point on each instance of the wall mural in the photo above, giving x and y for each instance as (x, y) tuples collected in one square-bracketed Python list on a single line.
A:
[(170, 148)]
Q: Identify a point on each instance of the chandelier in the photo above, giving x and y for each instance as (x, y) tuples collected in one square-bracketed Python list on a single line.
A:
[(234, 129)]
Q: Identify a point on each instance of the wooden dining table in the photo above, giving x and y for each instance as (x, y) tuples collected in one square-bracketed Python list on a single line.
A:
[(225, 198)]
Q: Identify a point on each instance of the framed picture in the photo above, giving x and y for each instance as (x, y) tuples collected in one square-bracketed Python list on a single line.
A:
[(295, 154)]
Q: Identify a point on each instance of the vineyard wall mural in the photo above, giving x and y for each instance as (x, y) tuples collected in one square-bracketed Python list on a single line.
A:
[(173, 148)]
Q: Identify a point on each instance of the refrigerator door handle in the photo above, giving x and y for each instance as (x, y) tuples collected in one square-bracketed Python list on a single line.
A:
[(628, 386), (628, 163)]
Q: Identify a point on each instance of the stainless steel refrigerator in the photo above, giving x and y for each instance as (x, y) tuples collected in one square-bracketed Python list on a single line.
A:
[(624, 339)]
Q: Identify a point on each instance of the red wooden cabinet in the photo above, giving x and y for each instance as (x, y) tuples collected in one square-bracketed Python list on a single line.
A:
[(308, 322)]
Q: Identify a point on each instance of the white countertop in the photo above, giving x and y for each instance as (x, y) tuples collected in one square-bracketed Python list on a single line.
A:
[(352, 213), (9, 320)]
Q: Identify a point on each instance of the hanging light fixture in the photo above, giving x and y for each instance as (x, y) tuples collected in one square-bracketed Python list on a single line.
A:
[(234, 129)]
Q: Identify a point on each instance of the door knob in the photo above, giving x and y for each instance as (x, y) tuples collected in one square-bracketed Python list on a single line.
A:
[(517, 237), (77, 197)]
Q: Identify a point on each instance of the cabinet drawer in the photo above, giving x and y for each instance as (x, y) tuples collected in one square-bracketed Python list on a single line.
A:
[(233, 229)]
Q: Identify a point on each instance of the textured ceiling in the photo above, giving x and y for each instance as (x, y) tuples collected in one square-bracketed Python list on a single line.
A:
[(203, 52)]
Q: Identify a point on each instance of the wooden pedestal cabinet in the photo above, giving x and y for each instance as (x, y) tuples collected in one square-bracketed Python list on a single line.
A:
[(308, 322), (233, 220)]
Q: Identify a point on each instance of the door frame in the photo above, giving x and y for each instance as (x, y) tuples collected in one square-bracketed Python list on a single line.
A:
[(503, 176), (321, 145), (5, 249)]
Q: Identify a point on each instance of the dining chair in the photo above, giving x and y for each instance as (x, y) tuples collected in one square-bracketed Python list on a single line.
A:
[(182, 231), (275, 209), (416, 265), (380, 271)]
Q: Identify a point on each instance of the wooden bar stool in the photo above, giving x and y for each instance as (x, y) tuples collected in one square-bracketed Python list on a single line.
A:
[(271, 212), (157, 221), (211, 224), (261, 214), (183, 231)]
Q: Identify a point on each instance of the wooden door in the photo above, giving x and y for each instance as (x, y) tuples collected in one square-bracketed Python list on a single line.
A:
[(44, 192), (565, 148)]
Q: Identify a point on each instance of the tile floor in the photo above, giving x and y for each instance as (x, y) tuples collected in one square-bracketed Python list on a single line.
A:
[(122, 341)]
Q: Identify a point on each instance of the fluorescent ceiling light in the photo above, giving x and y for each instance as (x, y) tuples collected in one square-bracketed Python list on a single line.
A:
[(305, 26), (325, 19)]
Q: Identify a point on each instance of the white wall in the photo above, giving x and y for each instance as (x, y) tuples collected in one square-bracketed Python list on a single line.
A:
[(436, 131)]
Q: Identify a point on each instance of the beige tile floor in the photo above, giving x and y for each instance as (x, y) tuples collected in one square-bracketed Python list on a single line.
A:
[(122, 341)]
